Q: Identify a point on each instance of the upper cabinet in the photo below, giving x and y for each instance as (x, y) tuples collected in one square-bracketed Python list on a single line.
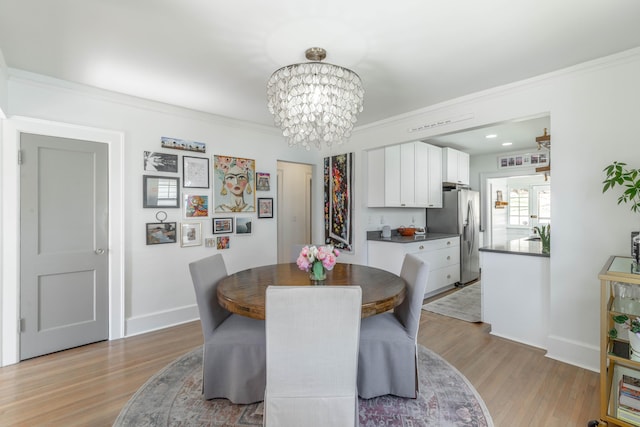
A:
[(405, 175), (455, 166)]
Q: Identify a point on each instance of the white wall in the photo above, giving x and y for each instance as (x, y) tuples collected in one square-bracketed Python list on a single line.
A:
[(4, 91), (157, 286), (594, 113)]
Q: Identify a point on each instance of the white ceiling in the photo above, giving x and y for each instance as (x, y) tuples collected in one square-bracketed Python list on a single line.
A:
[(216, 56)]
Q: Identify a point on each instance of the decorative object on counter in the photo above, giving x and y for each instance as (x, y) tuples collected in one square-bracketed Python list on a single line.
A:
[(386, 232), (410, 231), (618, 174), (406, 231), (316, 260), (338, 201), (315, 102), (545, 237)]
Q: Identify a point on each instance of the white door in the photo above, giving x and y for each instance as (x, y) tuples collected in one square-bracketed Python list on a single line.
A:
[(294, 208), (541, 205), (63, 244)]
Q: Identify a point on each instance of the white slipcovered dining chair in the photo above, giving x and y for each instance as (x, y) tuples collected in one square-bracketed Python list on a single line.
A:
[(234, 358), (388, 357), (312, 356)]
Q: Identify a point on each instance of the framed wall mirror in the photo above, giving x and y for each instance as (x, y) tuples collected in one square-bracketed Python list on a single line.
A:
[(160, 192)]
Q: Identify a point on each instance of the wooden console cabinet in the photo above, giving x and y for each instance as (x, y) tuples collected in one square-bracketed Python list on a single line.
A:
[(615, 359)]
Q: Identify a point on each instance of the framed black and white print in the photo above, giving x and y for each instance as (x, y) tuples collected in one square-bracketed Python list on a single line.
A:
[(265, 207), (161, 232), (160, 162), (222, 225), (160, 192), (191, 234), (243, 225), (195, 172)]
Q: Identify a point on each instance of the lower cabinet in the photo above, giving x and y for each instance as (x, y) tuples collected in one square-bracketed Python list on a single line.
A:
[(443, 256)]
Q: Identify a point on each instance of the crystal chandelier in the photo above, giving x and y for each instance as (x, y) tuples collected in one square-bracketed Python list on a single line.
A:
[(315, 102)]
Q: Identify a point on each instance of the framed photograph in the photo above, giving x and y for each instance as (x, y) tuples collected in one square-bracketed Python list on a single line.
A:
[(222, 225), (196, 206), (537, 159), (265, 207), (262, 181), (160, 162), (223, 242), (161, 232), (243, 225), (183, 144), (195, 172), (234, 184), (191, 234), (160, 192)]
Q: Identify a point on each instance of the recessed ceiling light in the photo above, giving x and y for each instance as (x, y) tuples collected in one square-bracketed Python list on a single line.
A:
[(493, 135), (505, 144)]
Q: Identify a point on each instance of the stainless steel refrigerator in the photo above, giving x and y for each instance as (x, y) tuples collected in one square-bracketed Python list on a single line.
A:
[(460, 214)]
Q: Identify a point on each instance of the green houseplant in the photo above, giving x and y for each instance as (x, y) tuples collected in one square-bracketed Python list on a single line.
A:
[(545, 237), (618, 174)]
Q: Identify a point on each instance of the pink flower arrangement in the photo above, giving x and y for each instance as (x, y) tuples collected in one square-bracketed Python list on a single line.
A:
[(326, 256)]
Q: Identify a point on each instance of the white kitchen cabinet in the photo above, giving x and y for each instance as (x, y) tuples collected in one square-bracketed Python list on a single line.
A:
[(405, 175), (443, 256), (455, 166)]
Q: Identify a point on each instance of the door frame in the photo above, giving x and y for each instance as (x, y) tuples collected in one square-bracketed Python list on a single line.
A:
[(10, 246)]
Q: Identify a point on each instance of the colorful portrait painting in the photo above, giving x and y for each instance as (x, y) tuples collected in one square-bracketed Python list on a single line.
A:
[(196, 206), (234, 184), (338, 201), (223, 242)]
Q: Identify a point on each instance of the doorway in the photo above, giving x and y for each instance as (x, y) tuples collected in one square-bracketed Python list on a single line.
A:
[(295, 181), (12, 130), (525, 203), (64, 295)]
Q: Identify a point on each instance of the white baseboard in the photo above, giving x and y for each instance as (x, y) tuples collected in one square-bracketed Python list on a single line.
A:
[(575, 353), (160, 320)]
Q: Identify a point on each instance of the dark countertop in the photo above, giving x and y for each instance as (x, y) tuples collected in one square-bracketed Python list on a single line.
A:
[(517, 247), (397, 238)]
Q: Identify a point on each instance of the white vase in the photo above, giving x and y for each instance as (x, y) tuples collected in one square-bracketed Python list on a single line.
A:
[(634, 346)]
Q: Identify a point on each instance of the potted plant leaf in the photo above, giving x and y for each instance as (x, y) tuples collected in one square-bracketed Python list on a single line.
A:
[(617, 173), (633, 325), (545, 237)]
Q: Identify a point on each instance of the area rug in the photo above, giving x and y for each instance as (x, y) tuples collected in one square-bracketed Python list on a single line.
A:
[(463, 304), (173, 397)]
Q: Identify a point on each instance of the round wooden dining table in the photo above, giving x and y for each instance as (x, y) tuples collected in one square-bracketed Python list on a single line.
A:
[(244, 292)]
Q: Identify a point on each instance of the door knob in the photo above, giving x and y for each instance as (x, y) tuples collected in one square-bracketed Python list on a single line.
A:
[(99, 251)]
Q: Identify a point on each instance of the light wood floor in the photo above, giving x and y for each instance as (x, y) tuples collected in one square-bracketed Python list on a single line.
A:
[(88, 386)]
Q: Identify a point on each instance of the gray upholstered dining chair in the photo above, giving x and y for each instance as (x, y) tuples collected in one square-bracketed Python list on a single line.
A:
[(388, 356), (312, 356), (234, 359)]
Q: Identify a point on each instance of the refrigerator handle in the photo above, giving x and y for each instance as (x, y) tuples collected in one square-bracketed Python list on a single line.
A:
[(470, 224)]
